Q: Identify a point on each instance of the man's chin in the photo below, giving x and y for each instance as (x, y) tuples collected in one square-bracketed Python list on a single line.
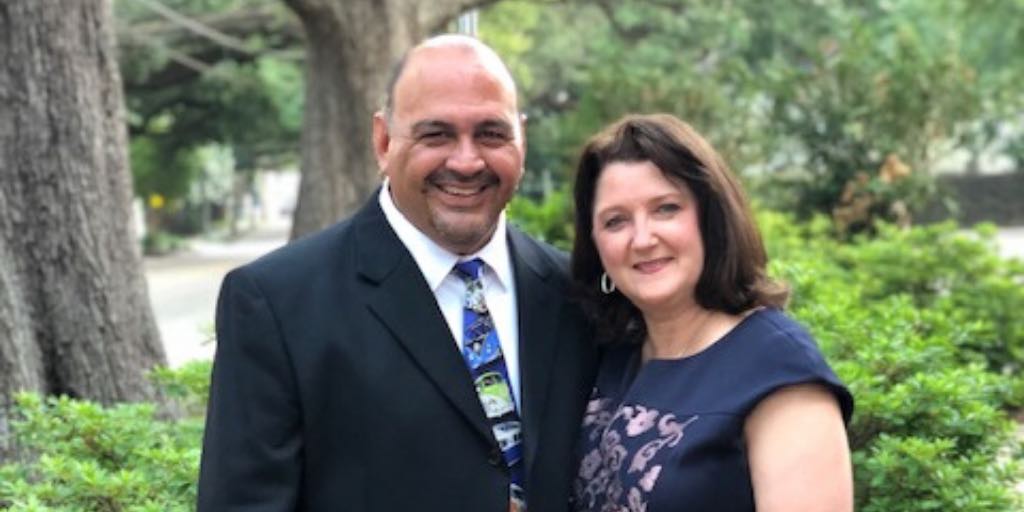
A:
[(465, 237)]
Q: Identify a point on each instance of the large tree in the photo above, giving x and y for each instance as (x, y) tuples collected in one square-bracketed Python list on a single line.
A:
[(74, 314), (351, 45)]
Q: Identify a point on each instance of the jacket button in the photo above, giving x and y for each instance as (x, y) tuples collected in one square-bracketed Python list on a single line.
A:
[(495, 458)]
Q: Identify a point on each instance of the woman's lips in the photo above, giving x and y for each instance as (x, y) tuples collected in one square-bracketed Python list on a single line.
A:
[(651, 266)]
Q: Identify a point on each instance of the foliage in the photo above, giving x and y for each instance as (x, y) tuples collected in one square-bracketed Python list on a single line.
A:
[(162, 170), (80, 456), (545, 219), (813, 96), (633, 57), (185, 92), (913, 321), (188, 385), (158, 242), (865, 82)]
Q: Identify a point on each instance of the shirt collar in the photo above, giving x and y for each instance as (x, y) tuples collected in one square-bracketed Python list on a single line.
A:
[(435, 261)]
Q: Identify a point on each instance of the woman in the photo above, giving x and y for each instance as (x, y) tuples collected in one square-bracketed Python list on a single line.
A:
[(708, 397)]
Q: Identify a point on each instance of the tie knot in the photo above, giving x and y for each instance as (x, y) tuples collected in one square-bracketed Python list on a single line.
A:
[(469, 270)]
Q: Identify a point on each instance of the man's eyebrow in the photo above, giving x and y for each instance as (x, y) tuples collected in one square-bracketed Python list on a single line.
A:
[(491, 124), (430, 125)]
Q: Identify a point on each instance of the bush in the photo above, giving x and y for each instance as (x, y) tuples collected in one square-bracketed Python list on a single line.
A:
[(545, 220), (159, 243), (916, 322), (80, 456)]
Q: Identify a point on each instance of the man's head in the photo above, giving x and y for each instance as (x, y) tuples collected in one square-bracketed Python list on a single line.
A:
[(450, 140)]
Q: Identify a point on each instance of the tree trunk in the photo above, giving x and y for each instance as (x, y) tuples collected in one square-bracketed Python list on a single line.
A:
[(352, 45), (75, 318)]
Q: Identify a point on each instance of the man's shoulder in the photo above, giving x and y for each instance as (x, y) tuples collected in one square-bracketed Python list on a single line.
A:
[(539, 252), (305, 258)]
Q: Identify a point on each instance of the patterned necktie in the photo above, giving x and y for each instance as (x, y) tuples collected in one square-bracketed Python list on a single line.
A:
[(482, 352)]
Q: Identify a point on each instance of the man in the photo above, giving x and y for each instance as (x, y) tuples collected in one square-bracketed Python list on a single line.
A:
[(365, 368)]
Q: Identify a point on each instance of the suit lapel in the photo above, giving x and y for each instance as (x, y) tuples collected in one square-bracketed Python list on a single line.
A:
[(540, 308), (401, 299)]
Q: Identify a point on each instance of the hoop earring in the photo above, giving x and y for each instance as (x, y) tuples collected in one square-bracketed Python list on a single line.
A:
[(607, 285)]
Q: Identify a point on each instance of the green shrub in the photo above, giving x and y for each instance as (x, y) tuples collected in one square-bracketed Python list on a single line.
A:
[(909, 321), (188, 385), (941, 269), (80, 456), (159, 243), (911, 474), (546, 220)]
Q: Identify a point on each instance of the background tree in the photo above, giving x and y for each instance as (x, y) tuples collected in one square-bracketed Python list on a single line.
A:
[(351, 46), (198, 73), (804, 100), (74, 315)]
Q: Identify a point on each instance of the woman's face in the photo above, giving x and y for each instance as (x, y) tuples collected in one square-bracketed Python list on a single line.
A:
[(647, 234)]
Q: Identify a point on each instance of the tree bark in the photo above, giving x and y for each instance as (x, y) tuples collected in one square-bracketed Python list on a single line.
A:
[(351, 47), (75, 317)]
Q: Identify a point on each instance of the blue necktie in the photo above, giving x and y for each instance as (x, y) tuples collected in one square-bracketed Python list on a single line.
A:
[(482, 352)]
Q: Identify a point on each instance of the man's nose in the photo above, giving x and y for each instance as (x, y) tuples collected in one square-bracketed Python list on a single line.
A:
[(465, 157)]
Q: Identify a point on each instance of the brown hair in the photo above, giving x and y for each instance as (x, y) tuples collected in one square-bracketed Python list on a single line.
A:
[(733, 279)]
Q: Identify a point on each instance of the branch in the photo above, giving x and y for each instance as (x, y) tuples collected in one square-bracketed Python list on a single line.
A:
[(635, 33), (269, 19), (197, 27)]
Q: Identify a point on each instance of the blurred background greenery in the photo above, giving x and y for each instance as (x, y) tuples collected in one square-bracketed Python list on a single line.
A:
[(848, 108)]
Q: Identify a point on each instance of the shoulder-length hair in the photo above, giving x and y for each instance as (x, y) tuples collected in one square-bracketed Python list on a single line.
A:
[(733, 279)]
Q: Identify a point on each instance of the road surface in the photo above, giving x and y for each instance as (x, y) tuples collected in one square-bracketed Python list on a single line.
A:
[(183, 289)]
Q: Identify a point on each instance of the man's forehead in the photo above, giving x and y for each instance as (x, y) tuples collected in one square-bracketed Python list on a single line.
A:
[(465, 91), (444, 124), (430, 62)]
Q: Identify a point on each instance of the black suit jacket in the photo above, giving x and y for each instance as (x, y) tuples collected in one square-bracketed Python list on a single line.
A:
[(337, 385)]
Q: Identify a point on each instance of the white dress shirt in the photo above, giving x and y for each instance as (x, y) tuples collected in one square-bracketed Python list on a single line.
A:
[(436, 263)]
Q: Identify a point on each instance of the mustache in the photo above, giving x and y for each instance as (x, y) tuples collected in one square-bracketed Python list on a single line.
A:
[(446, 176)]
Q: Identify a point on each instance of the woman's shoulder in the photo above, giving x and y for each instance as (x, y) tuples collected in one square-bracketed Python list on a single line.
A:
[(774, 350), (771, 333)]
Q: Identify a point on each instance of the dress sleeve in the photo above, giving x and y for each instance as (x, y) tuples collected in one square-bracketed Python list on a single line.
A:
[(785, 354), (252, 446)]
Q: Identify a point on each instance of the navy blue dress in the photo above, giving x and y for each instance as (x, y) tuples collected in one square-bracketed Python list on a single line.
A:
[(668, 435)]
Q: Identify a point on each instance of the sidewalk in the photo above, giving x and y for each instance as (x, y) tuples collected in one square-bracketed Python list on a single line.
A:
[(183, 288), (1011, 242)]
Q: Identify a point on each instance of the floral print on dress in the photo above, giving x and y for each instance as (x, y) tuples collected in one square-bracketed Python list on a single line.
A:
[(618, 475)]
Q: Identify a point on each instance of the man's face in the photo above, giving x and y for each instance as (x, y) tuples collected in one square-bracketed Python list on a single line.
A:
[(453, 149)]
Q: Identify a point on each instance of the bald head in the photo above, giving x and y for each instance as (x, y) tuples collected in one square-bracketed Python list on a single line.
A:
[(432, 55)]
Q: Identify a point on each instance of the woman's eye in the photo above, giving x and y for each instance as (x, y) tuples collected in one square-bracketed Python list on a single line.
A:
[(668, 208), (613, 222)]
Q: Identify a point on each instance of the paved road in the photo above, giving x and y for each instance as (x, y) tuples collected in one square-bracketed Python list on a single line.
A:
[(1011, 242), (183, 289)]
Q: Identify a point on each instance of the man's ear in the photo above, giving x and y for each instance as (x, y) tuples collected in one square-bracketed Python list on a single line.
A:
[(522, 131), (381, 140)]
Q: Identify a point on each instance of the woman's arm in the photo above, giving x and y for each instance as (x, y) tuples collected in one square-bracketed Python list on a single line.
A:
[(798, 452)]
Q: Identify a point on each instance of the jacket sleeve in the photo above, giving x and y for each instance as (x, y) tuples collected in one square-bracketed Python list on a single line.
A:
[(252, 445)]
